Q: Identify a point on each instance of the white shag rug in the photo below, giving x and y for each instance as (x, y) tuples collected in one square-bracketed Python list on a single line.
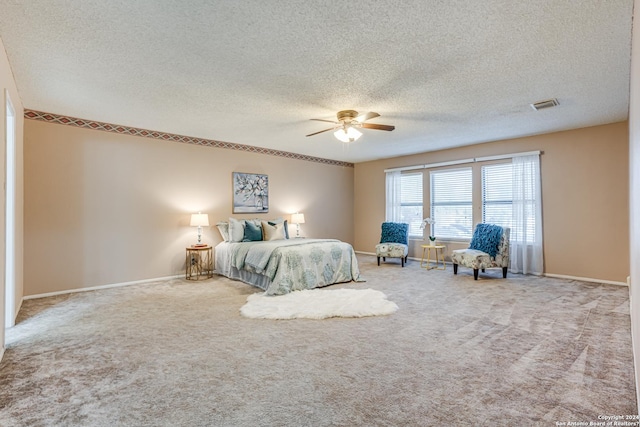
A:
[(319, 304)]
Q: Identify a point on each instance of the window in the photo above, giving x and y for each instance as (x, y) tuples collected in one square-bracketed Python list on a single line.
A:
[(507, 193), (497, 202), (451, 203), (497, 198), (411, 202)]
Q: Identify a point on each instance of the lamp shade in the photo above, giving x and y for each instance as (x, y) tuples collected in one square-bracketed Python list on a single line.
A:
[(297, 218), (199, 220)]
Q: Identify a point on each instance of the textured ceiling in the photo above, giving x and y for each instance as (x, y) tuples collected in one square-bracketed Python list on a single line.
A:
[(445, 73)]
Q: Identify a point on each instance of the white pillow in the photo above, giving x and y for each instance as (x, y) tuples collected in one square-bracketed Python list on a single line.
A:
[(223, 228), (281, 220), (272, 232), (236, 230)]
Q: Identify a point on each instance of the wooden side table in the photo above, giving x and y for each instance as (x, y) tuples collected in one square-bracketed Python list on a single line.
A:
[(199, 263), (436, 248)]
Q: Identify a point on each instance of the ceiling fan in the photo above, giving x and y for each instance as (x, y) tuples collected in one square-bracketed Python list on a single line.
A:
[(346, 128)]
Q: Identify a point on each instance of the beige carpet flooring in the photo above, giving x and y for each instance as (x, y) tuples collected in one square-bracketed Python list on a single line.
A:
[(524, 351)]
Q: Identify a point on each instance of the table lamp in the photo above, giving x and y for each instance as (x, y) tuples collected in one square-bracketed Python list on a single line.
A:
[(297, 219), (199, 220)]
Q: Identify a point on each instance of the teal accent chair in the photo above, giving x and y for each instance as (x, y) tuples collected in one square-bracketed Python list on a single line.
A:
[(484, 252), (394, 242)]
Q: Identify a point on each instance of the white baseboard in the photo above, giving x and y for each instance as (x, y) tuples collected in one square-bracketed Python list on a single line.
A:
[(411, 257), (1, 353), (557, 276), (584, 279), (365, 253), (95, 288), (374, 254)]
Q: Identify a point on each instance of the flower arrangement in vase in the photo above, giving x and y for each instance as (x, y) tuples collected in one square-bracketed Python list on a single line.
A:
[(432, 238)]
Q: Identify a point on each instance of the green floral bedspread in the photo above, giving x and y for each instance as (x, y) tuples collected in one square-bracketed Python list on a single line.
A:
[(298, 264)]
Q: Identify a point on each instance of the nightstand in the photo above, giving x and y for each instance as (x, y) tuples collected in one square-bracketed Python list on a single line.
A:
[(199, 263)]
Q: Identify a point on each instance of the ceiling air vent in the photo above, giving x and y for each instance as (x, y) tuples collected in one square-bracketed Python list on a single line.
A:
[(548, 103)]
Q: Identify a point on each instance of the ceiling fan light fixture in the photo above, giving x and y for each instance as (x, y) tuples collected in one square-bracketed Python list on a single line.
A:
[(346, 128), (347, 134)]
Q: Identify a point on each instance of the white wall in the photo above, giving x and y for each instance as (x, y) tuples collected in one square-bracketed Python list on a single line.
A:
[(8, 86), (634, 197)]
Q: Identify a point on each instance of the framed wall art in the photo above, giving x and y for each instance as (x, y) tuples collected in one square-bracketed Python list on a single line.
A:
[(250, 193)]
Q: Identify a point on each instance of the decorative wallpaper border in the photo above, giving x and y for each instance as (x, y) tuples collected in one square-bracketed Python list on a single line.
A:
[(127, 130)]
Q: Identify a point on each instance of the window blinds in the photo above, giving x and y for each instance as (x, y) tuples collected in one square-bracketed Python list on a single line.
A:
[(497, 201), (497, 194), (411, 202), (451, 203)]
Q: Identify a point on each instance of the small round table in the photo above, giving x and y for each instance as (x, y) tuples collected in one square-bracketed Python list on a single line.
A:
[(437, 249), (199, 263)]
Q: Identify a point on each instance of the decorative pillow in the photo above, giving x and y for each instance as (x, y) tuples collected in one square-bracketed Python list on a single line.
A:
[(486, 238), (236, 230), (395, 232), (272, 232), (255, 221), (252, 232), (281, 221), (223, 228)]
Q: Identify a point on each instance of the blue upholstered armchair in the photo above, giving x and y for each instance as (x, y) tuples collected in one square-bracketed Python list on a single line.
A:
[(489, 248), (394, 242)]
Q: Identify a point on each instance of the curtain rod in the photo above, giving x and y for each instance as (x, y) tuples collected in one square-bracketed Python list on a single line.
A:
[(460, 162)]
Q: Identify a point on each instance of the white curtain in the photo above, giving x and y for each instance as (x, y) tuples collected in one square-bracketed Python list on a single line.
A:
[(394, 197), (526, 233)]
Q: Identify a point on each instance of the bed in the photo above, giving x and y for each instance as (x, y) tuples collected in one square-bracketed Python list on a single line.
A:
[(282, 266)]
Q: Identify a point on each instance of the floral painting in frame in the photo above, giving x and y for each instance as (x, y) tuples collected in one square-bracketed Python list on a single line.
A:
[(250, 193)]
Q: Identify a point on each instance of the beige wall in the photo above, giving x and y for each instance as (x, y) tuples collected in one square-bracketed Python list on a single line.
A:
[(107, 199), (634, 199), (584, 192), (8, 86), (104, 208)]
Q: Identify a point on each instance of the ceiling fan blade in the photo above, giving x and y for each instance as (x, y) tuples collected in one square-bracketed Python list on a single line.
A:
[(378, 127), (322, 120), (315, 133), (366, 116)]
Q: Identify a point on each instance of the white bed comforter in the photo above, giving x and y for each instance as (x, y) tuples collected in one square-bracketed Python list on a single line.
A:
[(283, 266)]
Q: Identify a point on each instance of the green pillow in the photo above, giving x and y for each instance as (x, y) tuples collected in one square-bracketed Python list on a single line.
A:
[(252, 232)]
